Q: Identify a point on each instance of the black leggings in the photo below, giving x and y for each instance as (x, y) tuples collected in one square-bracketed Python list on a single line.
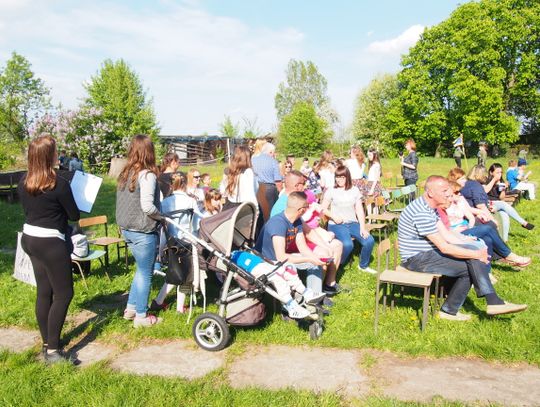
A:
[(51, 261)]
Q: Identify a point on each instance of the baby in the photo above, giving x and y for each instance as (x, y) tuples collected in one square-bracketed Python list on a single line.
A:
[(312, 218), (285, 279)]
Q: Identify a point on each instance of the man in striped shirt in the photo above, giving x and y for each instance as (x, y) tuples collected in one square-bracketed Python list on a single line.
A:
[(424, 249)]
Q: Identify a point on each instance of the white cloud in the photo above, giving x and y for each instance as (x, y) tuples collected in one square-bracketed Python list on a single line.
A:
[(197, 66), (399, 44)]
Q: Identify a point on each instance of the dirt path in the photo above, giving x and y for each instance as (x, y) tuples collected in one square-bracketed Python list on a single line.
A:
[(352, 373)]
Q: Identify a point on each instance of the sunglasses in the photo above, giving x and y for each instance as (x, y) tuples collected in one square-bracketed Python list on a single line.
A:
[(196, 176)]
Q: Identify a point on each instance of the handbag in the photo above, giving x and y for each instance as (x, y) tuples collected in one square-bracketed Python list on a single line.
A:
[(180, 263)]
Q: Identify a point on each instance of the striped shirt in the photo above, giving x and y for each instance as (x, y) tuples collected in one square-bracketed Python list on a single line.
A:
[(417, 221)]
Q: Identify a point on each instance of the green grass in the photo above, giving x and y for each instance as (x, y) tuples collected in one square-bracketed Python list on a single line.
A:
[(509, 339)]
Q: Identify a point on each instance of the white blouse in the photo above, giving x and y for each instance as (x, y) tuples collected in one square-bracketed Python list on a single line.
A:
[(374, 173), (245, 190)]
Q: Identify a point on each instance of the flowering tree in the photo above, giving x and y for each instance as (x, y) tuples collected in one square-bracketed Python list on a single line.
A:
[(84, 132)]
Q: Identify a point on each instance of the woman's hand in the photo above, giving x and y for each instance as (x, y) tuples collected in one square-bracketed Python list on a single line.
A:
[(337, 220), (364, 233)]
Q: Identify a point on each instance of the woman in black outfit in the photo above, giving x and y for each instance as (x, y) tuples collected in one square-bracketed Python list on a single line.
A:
[(409, 165), (48, 204)]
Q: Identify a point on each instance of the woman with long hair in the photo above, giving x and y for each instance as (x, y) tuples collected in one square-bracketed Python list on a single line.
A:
[(137, 215), (356, 164), (169, 166), (212, 202), (409, 165), (193, 186), (343, 206), (178, 200), (495, 187), (258, 146), (326, 169), (48, 204), (240, 179), (374, 173)]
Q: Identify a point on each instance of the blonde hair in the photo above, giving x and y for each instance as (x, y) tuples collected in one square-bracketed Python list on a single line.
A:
[(358, 154), (478, 173), (257, 147)]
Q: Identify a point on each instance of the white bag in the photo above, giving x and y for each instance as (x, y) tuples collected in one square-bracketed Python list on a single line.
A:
[(80, 245)]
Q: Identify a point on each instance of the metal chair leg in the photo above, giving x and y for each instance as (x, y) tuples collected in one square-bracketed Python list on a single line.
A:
[(81, 272)]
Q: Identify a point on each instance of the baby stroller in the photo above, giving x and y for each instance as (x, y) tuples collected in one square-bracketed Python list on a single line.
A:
[(240, 299)]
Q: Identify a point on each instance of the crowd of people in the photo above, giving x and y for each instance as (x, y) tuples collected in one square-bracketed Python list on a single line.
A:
[(309, 218)]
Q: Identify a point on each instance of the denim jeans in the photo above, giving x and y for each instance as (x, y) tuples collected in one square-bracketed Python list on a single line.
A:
[(466, 272), (507, 211), (143, 248), (344, 233), (492, 239)]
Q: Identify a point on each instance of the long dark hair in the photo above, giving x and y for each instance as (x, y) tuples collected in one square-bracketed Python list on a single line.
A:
[(493, 167), (141, 156), (167, 160), (240, 161), (41, 175)]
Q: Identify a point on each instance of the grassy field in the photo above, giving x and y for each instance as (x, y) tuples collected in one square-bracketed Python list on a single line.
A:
[(508, 339)]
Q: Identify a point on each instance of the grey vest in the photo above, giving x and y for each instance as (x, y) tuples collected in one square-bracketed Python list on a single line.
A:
[(129, 214)]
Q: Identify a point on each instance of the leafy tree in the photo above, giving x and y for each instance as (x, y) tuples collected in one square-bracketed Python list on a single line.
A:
[(371, 124), (303, 132), (229, 129), (116, 100), (22, 98), (475, 73), (304, 84)]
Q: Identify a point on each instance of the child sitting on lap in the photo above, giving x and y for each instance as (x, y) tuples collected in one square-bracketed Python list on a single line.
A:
[(285, 279)]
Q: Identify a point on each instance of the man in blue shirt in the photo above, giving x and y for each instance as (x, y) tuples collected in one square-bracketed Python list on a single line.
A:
[(282, 238), (266, 169)]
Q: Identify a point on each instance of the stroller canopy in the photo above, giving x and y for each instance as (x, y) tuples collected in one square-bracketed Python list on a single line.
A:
[(230, 228)]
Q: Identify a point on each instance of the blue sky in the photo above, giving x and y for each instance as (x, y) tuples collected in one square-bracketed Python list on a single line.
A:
[(203, 59)]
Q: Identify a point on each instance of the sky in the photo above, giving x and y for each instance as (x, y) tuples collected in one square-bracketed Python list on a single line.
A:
[(203, 60)]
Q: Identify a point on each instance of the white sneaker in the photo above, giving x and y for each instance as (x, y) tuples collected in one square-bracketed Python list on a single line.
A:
[(367, 270), (295, 311), (149, 320), (311, 297), (458, 317)]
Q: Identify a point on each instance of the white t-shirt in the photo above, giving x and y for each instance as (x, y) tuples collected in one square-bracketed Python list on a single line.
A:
[(357, 171), (343, 203), (327, 179), (374, 173), (245, 190)]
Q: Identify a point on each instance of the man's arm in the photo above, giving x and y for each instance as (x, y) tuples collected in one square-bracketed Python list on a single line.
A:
[(457, 251), (279, 249)]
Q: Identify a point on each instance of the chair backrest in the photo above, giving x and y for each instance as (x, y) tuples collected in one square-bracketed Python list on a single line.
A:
[(385, 194), (383, 249), (396, 193), (93, 221), (406, 190)]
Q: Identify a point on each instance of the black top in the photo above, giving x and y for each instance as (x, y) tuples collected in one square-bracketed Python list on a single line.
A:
[(51, 209), (165, 183)]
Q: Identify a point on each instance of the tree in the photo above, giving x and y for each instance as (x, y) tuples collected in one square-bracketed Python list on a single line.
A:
[(303, 132), (477, 73), (304, 84), (251, 129), (370, 125), (22, 98), (116, 100), (228, 128)]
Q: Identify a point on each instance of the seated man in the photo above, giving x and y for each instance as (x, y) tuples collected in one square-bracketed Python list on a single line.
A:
[(424, 249), (282, 238)]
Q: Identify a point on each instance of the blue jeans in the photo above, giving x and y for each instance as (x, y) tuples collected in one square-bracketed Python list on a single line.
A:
[(507, 211), (466, 272), (492, 239), (344, 233), (143, 248)]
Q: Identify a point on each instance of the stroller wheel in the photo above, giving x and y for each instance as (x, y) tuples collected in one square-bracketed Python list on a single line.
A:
[(211, 332)]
